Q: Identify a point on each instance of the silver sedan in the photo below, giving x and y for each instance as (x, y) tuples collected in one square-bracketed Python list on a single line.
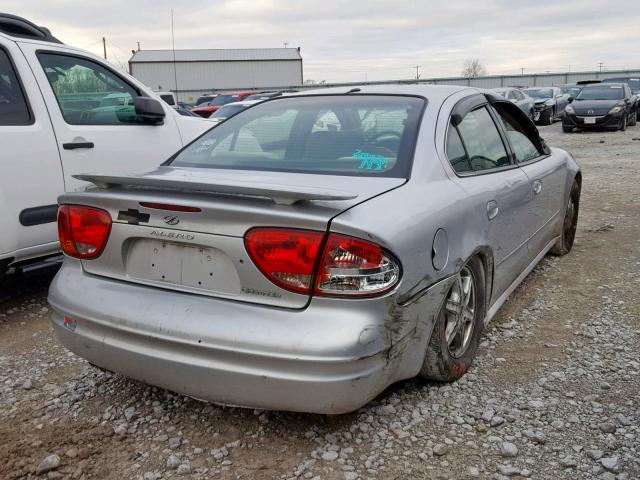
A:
[(313, 249)]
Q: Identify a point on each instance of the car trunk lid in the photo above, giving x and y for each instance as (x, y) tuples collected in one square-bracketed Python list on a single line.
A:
[(201, 250)]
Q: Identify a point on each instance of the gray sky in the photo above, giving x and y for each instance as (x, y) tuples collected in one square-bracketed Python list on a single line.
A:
[(357, 39)]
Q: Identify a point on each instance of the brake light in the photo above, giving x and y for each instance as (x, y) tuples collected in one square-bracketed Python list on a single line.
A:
[(170, 207), (286, 256), (348, 266), (354, 267), (83, 231)]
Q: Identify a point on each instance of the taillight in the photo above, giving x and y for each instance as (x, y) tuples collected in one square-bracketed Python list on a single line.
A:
[(354, 267), (83, 231), (348, 266), (286, 256)]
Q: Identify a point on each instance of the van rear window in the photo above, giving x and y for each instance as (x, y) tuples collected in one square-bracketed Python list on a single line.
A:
[(360, 135)]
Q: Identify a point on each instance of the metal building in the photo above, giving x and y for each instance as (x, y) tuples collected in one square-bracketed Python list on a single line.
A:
[(495, 81), (190, 73)]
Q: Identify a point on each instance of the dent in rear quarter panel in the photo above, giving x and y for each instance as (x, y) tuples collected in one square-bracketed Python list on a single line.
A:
[(405, 221)]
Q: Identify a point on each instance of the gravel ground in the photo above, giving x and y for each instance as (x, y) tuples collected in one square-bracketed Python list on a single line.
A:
[(554, 393)]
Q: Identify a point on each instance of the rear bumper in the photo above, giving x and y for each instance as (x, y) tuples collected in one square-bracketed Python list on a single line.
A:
[(332, 357)]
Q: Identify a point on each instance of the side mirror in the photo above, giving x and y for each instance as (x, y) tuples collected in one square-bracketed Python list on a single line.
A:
[(570, 99), (149, 109)]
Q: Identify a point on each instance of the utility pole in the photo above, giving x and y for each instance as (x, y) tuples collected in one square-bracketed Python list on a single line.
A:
[(522, 71), (173, 47), (417, 67), (138, 45), (104, 47), (285, 44), (600, 64)]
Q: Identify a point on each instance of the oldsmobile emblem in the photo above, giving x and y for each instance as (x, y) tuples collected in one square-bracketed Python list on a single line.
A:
[(589, 112), (171, 220)]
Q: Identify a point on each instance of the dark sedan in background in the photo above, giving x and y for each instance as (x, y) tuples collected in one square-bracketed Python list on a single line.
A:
[(549, 103), (602, 105), (521, 99)]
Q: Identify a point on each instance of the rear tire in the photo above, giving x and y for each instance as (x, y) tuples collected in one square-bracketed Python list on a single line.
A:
[(567, 129), (4, 265), (570, 223), (458, 328)]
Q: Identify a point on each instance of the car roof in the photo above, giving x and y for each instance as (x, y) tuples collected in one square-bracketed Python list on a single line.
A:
[(436, 93), (601, 85)]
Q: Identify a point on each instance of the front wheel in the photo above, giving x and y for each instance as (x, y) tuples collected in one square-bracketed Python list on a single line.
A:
[(570, 223), (634, 119), (623, 123), (459, 324), (567, 129), (546, 117)]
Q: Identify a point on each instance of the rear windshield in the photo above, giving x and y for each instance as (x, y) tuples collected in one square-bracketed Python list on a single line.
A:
[(539, 92), (223, 99), (601, 93), (361, 135), (228, 110)]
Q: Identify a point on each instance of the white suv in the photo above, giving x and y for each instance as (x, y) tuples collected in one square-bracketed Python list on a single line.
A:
[(65, 111)]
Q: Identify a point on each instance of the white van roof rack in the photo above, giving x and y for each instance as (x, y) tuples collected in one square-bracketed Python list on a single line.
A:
[(15, 26)]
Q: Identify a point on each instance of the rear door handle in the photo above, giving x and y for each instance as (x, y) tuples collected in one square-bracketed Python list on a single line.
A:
[(537, 186), (75, 145), (492, 209)]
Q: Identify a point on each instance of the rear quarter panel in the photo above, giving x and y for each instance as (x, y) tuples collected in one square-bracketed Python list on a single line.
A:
[(405, 221)]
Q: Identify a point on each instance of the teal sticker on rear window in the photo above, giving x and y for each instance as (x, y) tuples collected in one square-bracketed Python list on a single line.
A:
[(370, 161)]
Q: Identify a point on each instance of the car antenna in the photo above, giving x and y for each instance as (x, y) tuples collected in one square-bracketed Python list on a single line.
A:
[(354, 90)]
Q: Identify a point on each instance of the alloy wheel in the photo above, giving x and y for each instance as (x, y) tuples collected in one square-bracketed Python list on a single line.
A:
[(460, 313)]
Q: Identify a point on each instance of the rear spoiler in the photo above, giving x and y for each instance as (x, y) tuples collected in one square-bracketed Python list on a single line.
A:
[(280, 194)]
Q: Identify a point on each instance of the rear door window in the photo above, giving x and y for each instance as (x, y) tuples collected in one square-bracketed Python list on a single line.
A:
[(522, 146), (361, 135), (14, 109), (481, 141), (88, 93)]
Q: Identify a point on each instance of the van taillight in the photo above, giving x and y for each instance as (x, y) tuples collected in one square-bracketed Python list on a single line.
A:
[(301, 261), (83, 231)]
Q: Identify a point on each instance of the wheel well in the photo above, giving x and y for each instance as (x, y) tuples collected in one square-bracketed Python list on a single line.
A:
[(486, 257), (578, 180)]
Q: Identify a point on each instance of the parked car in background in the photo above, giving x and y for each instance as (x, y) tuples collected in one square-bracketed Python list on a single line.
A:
[(206, 109), (263, 95), (207, 97), (298, 257), (571, 89), (603, 105), (521, 99), (65, 111), (633, 82), (186, 112), (168, 97), (185, 105), (231, 109), (549, 103)]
